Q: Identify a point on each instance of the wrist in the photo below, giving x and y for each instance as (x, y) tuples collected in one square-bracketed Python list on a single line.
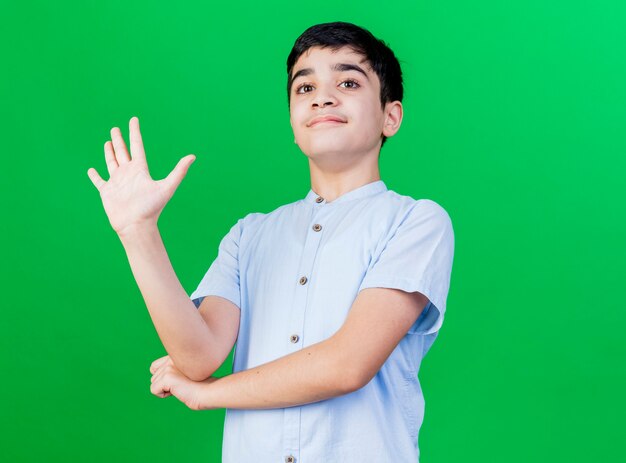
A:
[(137, 231), (206, 394)]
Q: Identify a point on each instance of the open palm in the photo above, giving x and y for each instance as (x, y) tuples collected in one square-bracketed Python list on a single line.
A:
[(131, 197)]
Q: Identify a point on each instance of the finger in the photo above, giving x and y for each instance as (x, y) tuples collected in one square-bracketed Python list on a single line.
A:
[(155, 366), (161, 369), (109, 157), (156, 377), (155, 388), (136, 143), (160, 389), (157, 363), (176, 176), (121, 153), (95, 178)]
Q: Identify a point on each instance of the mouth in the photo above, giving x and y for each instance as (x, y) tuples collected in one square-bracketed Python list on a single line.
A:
[(317, 124), (328, 120)]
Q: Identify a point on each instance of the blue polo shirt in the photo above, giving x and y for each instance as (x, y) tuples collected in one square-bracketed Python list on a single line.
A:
[(294, 274)]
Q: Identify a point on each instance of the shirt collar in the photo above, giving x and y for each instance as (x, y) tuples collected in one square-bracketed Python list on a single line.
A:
[(369, 189)]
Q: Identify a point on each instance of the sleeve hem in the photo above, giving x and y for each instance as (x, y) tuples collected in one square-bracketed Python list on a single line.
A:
[(232, 295), (410, 285)]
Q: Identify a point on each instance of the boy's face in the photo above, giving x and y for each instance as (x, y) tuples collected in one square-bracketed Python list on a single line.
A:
[(340, 85)]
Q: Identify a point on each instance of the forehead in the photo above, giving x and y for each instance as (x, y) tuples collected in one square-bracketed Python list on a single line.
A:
[(318, 57)]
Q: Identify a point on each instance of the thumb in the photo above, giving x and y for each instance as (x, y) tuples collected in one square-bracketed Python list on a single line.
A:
[(176, 176), (95, 178)]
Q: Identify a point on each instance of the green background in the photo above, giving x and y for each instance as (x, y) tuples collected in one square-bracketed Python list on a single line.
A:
[(514, 123)]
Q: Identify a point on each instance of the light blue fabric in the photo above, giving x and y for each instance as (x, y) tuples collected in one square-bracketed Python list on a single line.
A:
[(368, 237)]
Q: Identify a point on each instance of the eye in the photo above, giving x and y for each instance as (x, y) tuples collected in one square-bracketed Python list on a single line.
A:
[(300, 87), (353, 83)]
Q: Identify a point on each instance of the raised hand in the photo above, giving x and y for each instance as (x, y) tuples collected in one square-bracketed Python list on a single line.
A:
[(131, 198)]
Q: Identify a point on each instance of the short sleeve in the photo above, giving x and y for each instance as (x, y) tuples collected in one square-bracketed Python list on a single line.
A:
[(418, 256), (222, 277)]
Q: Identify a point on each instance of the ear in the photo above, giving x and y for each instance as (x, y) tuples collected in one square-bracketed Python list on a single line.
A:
[(393, 118)]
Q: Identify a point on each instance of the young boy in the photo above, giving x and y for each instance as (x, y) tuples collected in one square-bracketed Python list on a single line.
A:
[(333, 300)]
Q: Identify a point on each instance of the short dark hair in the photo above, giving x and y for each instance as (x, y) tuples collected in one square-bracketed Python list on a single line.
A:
[(339, 34)]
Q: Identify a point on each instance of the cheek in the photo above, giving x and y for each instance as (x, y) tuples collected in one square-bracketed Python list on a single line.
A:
[(295, 115), (298, 121), (377, 121), (366, 122)]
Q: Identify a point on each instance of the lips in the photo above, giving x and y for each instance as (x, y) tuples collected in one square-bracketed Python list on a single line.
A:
[(325, 118)]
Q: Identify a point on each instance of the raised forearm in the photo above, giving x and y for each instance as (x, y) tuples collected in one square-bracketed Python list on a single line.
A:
[(182, 330), (315, 373)]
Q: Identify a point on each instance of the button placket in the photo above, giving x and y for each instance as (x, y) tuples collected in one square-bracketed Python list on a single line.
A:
[(296, 335)]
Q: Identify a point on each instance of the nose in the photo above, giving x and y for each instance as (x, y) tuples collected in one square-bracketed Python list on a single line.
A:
[(323, 103), (323, 98)]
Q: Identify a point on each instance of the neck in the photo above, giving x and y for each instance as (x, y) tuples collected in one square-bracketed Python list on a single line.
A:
[(330, 183)]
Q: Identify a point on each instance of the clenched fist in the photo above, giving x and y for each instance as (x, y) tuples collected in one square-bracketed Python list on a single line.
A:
[(167, 380)]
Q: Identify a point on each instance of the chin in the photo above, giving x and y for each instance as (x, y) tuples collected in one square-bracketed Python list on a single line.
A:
[(324, 146), (321, 152)]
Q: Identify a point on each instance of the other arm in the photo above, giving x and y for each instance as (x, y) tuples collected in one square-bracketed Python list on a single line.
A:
[(197, 340), (133, 202), (345, 362)]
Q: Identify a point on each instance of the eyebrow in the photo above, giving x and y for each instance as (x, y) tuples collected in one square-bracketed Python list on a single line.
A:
[(340, 67)]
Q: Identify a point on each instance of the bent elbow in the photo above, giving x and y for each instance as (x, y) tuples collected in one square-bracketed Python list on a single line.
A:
[(360, 380), (350, 379), (197, 375), (196, 370), (346, 375)]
